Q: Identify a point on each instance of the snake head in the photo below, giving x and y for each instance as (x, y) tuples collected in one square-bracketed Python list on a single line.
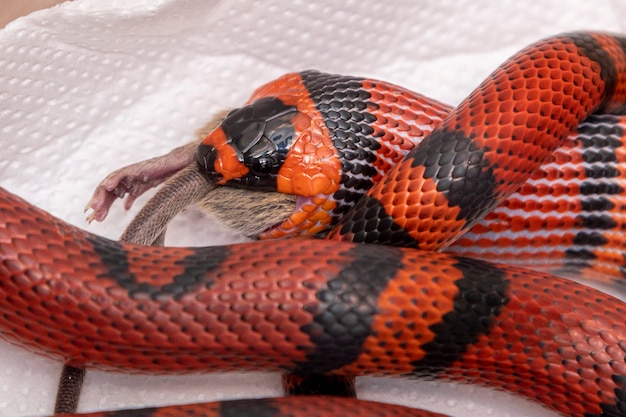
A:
[(250, 145), (278, 142)]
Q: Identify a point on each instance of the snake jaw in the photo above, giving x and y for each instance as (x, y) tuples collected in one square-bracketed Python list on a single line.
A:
[(311, 216)]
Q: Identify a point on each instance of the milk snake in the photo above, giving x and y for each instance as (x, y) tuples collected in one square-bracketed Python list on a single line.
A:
[(325, 306)]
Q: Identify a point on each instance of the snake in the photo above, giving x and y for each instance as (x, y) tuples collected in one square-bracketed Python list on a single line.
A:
[(376, 296)]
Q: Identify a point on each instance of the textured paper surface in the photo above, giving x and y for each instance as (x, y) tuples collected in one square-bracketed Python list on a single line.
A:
[(92, 85)]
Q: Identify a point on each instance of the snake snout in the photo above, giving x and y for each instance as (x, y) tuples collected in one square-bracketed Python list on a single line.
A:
[(206, 155)]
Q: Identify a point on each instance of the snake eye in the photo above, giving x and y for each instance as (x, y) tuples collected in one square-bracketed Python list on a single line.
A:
[(262, 166)]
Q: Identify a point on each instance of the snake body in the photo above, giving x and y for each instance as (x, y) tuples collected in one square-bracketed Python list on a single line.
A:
[(274, 407), (344, 308), (354, 131)]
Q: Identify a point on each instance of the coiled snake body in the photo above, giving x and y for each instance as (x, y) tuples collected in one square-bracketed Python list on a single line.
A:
[(331, 307)]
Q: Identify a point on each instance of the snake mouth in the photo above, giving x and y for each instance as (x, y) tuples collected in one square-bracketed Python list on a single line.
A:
[(282, 217)]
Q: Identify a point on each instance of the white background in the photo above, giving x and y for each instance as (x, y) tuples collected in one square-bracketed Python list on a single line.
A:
[(92, 85)]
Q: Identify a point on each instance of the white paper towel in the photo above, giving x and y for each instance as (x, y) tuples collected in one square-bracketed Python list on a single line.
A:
[(92, 85)]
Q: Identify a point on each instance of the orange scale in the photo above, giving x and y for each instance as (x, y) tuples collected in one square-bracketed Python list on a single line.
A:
[(328, 206), (297, 219), (319, 216)]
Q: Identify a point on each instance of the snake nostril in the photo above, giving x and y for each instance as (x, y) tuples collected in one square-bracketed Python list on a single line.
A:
[(205, 156)]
